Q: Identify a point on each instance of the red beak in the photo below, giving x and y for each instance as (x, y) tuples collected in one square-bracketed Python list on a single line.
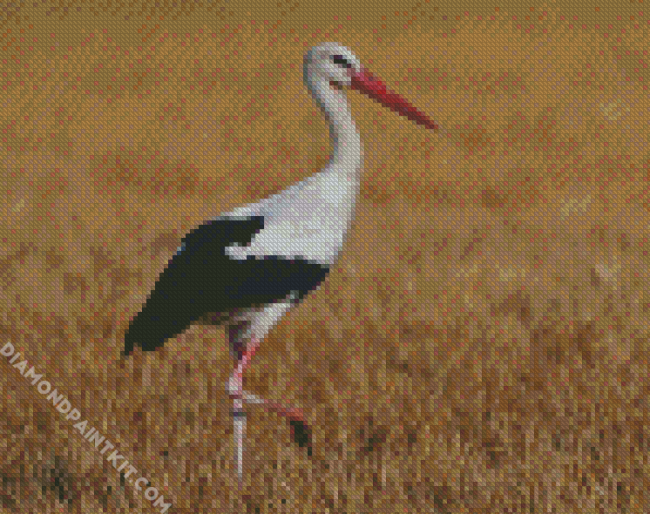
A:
[(376, 89)]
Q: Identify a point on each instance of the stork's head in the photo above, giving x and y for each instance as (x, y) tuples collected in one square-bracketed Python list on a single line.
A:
[(335, 65), (331, 63)]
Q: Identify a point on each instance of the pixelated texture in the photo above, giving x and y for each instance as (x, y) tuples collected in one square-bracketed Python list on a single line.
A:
[(482, 344), (201, 279)]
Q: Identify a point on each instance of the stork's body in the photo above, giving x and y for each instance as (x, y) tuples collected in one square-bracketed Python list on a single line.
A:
[(252, 264)]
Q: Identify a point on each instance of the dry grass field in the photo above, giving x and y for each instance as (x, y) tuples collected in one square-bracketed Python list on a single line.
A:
[(482, 345)]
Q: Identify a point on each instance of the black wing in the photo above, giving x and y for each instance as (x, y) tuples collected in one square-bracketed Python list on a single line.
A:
[(183, 289), (201, 278)]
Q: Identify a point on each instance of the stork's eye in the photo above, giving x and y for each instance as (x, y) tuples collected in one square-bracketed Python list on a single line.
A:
[(341, 61)]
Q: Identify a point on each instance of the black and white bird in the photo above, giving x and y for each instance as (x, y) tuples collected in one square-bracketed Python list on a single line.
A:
[(251, 265)]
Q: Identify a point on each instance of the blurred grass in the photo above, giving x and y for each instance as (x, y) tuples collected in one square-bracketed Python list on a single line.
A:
[(480, 347)]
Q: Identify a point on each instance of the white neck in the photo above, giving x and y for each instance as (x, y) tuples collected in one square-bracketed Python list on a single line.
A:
[(347, 154)]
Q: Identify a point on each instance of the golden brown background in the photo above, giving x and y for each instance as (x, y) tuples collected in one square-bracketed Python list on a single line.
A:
[(482, 345)]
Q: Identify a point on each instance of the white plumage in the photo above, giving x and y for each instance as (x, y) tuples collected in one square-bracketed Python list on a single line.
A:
[(305, 222)]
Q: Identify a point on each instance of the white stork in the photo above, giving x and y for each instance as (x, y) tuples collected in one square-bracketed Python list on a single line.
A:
[(251, 265)]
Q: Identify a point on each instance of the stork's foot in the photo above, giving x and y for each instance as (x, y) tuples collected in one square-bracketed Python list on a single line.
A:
[(301, 434)]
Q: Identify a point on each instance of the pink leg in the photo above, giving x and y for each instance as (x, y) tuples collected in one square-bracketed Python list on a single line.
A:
[(245, 360), (236, 391)]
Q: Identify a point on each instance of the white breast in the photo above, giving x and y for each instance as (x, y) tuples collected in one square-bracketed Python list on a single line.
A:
[(308, 220)]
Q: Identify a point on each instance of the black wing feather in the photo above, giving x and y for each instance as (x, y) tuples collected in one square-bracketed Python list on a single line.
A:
[(202, 278), (183, 288)]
